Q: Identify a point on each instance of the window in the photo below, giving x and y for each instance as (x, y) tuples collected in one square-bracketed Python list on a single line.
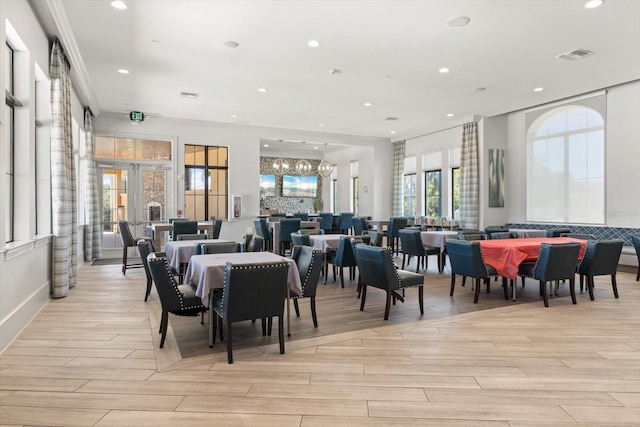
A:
[(334, 196), (355, 192), (565, 163), (432, 194), (409, 207), (206, 182), (9, 144), (455, 192)]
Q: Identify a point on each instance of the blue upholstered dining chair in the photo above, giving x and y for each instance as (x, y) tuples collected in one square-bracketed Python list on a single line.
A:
[(254, 291), (217, 227), (302, 216), (128, 241), (393, 237), (217, 248), (636, 244), (378, 270), (287, 226), (309, 262), (359, 225), (180, 226), (343, 257), (555, 262), (326, 221), (344, 222), (256, 244), (262, 229), (600, 258), (299, 239), (412, 245), (466, 260)]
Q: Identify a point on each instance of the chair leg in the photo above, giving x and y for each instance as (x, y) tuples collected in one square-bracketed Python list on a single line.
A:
[(543, 288), (312, 303), (581, 282), (505, 288), (146, 295), (615, 285), (269, 325), (229, 351), (590, 285), (213, 328), (421, 298), (281, 333), (264, 326), (572, 289), (163, 319), (387, 308), (295, 306), (163, 327), (342, 277), (404, 258), (220, 328), (363, 296), (453, 284), (464, 279), (124, 260), (475, 299)]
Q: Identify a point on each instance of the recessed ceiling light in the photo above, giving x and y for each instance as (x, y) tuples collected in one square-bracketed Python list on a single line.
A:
[(265, 145), (333, 71), (368, 104), (234, 116), (593, 4), (262, 89), (155, 41), (450, 115), (123, 71), (393, 132), (538, 89), (321, 125), (459, 21), (480, 89), (313, 43), (443, 70), (231, 44), (315, 148), (119, 4)]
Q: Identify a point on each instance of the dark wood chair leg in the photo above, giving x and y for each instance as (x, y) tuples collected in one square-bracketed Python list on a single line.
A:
[(387, 307), (163, 327), (124, 260), (543, 285), (506, 288), (220, 328), (363, 296), (214, 328), (229, 351), (148, 291), (295, 307), (590, 285), (312, 303), (453, 284), (281, 333), (421, 298), (572, 289), (263, 321), (615, 285), (475, 299)]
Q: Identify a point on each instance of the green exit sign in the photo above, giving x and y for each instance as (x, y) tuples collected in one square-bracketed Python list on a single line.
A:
[(136, 116)]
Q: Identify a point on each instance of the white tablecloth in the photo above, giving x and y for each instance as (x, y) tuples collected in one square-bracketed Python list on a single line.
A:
[(326, 241), (181, 251), (437, 239)]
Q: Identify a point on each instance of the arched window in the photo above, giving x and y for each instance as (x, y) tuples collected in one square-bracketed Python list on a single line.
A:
[(565, 165)]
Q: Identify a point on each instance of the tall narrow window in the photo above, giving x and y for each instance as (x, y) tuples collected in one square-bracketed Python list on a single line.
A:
[(334, 196), (355, 192), (433, 193), (206, 182), (409, 187), (9, 144), (565, 163), (455, 192)]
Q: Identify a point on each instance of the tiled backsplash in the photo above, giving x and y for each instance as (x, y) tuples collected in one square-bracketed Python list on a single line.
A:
[(601, 233)]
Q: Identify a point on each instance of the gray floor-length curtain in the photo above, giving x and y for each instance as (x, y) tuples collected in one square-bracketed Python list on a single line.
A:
[(64, 210), (469, 179), (93, 233), (398, 170)]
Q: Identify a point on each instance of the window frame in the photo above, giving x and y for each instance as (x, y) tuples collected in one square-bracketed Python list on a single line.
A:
[(208, 167), (427, 197), (410, 209), (9, 182), (455, 193)]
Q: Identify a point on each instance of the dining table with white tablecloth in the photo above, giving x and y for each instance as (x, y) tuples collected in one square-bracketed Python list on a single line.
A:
[(180, 251)]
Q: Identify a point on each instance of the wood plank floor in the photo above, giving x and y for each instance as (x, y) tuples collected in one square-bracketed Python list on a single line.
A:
[(92, 359)]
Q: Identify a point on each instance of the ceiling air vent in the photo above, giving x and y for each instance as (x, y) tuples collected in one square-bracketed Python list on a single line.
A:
[(390, 118), (575, 54), (189, 95)]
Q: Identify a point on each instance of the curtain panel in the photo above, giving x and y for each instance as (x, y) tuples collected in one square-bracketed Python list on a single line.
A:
[(398, 170), (469, 177), (63, 176), (93, 233)]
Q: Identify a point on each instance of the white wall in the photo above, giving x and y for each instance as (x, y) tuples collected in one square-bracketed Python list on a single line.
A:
[(244, 155), (622, 154)]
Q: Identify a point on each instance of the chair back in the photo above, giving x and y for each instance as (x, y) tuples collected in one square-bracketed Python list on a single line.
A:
[(166, 284), (309, 261), (411, 242), (395, 225), (496, 235), (466, 258), (556, 261), (255, 245), (254, 291), (471, 236), (302, 216), (344, 221), (376, 238), (636, 244), (288, 226), (170, 220), (183, 226), (262, 228), (579, 236), (145, 248), (345, 257), (311, 231), (601, 257), (217, 226), (300, 239), (278, 215), (376, 267), (217, 248), (193, 237), (495, 229), (125, 234), (556, 232), (359, 225), (326, 221)]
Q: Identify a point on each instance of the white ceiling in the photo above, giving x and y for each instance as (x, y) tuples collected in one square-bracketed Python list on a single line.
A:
[(388, 54)]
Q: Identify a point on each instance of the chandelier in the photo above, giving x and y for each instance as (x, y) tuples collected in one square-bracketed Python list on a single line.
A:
[(280, 166), (325, 168), (302, 167)]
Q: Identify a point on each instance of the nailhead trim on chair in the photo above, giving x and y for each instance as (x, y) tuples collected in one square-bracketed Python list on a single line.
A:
[(481, 257), (173, 282), (306, 277), (388, 249), (540, 252), (256, 266)]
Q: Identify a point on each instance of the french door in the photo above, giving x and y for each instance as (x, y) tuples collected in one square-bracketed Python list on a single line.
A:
[(136, 193)]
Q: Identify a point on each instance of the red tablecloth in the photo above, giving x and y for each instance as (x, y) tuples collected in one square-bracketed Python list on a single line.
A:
[(507, 254)]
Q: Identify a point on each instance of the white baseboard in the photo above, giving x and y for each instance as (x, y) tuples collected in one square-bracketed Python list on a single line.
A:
[(13, 324)]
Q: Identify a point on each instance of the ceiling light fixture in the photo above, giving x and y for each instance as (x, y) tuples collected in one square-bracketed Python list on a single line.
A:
[(266, 145), (303, 167), (325, 168), (393, 132), (234, 116), (538, 89), (263, 90), (450, 115), (280, 166), (368, 104), (321, 125), (459, 21), (123, 71), (443, 70), (333, 71), (591, 4), (231, 44), (119, 4), (313, 43)]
